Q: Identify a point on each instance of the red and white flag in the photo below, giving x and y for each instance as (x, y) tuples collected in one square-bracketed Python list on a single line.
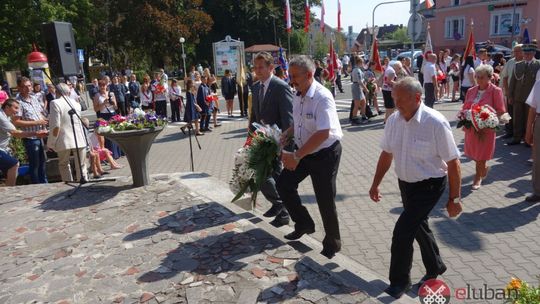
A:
[(306, 20), (469, 49), (429, 4), (288, 16), (332, 65), (322, 16), (375, 57), (429, 47), (339, 15)]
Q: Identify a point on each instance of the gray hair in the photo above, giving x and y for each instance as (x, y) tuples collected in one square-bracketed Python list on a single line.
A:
[(63, 89), (409, 84), (303, 62), (397, 64), (485, 69)]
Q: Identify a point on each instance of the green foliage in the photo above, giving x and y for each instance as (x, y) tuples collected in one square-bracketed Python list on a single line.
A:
[(20, 26), (520, 292), (17, 148), (401, 35), (262, 159)]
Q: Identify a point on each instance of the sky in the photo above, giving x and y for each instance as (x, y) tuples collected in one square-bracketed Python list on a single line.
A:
[(359, 12)]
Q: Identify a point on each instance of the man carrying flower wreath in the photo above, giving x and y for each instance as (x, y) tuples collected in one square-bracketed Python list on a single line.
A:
[(272, 104), (317, 133)]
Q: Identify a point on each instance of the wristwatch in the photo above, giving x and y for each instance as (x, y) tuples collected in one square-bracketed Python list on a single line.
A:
[(296, 158)]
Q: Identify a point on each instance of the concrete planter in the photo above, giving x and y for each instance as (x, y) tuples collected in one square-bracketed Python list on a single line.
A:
[(136, 144)]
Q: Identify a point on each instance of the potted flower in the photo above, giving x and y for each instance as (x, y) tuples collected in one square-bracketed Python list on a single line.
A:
[(135, 135)]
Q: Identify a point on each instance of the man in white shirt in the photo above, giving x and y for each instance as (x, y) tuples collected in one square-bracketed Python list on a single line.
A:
[(317, 133), (430, 80), (338, 68), (506, 77), (423, 160), (533, 135), (345, 60)]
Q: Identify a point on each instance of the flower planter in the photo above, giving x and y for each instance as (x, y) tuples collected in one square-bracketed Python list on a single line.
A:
[(136, 144)]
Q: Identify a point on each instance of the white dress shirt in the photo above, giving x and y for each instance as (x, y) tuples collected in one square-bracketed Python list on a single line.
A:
[(534, 97), (314, 112), (429, 71), (421, 146)]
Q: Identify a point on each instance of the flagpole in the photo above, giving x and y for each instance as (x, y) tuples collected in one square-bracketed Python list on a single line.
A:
[(288, 44)]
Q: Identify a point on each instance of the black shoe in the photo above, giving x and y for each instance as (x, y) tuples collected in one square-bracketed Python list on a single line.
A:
[(280, 221), (513, 142), (274, 211), (330, 251), (527, 145), (396, 291), (381, 112), (297, 233), (507, 136), (533, 198), (428, 277)]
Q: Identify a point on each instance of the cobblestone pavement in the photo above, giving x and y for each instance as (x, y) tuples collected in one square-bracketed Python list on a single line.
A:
[(163, 243), (495, 238)]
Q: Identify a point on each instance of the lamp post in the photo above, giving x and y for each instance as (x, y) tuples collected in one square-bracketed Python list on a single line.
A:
[(373, 15), (182, 40)]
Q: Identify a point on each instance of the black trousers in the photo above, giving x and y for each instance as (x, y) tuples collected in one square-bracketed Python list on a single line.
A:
[(338, 83), (161, 108), (418, 200), (175, 110), (243, 94), (322, 167), (421, 78)]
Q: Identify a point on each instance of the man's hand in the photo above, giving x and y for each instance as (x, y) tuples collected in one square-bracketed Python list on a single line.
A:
[(453, 208), (42, 133), (42, 122), (288, 161), (374, 193)]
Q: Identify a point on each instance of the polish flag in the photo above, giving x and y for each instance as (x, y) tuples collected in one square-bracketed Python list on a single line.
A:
[(469, 49), (306, 20), (322, 16), (429, 4), (288, 16), (339, 16), (375, 57)]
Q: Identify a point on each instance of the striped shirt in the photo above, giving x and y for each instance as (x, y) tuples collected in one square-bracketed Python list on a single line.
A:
[(31, 110)]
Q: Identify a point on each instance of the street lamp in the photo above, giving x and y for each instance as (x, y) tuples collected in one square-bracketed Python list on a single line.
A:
[(182, 40), (373, 34)]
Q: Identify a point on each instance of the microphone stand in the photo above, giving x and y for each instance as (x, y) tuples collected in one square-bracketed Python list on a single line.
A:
[(72, 112)]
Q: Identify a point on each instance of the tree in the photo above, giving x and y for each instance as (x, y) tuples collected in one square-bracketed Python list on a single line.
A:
[(20, 26), (254, 22), (401, 35)]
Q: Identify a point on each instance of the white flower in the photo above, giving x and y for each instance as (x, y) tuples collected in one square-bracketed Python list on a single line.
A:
[(505, 118), (138, 112), (105, 129)]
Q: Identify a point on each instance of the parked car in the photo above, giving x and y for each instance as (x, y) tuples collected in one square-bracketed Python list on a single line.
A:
[(408, 54), (494, 49)]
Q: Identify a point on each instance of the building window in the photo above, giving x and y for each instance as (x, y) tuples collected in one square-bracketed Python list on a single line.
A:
[(455, 2), (501, 23), (454, 28)]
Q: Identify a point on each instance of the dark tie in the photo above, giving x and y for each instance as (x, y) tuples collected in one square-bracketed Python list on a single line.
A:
[(261, 96)]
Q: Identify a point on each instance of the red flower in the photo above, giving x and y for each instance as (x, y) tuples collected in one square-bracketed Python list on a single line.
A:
[(118, 118), (248, 141), (476, 108), (484, 115)]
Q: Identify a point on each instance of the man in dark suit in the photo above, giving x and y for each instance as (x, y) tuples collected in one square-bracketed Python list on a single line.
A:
[(271, 104), (521, 84)]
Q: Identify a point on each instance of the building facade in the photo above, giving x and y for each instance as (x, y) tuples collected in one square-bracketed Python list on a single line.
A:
[(450, 21)]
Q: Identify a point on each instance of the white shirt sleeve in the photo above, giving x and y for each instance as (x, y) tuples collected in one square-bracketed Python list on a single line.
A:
[(534, 97), (385, 141), (323, 114), (445, 144)]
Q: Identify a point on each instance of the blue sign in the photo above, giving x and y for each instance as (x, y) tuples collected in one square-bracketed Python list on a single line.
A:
[(80, 53)]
